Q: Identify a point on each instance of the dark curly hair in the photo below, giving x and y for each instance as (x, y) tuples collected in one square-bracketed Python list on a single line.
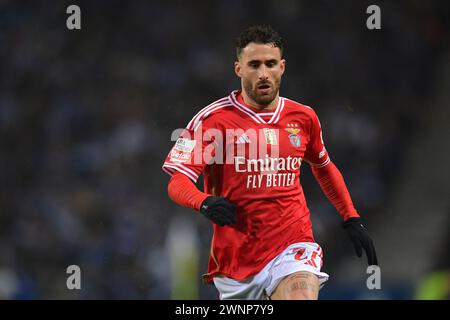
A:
[(259, 34)]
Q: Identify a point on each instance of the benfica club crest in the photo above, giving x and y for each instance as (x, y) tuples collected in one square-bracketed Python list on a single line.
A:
[(293, 137)]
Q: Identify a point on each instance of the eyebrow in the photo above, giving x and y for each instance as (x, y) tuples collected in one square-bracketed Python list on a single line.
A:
[(266, 61)]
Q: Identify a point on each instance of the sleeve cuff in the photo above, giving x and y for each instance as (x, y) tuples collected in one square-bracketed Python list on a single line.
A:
[(319, 165), (171, 168)]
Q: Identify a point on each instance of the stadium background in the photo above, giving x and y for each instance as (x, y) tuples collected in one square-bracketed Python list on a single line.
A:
[(86, 119)]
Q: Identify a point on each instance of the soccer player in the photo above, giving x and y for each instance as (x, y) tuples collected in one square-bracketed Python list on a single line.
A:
[(250, 146)]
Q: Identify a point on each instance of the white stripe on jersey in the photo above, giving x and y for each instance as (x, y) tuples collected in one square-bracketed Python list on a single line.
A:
[(208, 113), (303, 105), (183, 169), (320, 165), (199, 114), (203, 109), (167, 170), (256, 116), (246, 110), (279, 109)]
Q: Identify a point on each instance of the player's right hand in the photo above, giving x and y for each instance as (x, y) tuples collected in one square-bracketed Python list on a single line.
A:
[(219, 210)]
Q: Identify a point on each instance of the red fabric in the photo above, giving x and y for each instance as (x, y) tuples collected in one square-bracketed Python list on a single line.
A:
[(184, 192), (255, 162), (333, 185)]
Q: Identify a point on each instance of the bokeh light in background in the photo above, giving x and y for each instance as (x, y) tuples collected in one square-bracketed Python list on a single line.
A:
[(86, 119)]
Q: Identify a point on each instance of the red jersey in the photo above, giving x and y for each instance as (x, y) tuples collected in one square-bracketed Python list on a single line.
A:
[(253, 158)]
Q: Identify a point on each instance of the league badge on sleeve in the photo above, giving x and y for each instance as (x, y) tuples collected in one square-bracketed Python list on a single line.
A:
[(182, 150)]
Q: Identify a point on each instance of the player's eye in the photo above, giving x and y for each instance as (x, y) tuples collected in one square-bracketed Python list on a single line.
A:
[(271, 64), (254, 65)]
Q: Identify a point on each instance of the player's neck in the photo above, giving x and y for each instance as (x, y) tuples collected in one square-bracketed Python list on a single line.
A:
[(250, 102)]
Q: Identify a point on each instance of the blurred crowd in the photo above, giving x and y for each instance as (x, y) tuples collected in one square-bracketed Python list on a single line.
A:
[(86, 118)]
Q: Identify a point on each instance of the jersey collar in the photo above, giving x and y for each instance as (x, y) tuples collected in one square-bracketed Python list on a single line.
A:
[(254, 115)]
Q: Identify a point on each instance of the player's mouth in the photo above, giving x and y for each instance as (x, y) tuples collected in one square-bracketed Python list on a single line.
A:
[(264, 88)]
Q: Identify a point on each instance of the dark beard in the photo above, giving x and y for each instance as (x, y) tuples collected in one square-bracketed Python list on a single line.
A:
[(261, 100)]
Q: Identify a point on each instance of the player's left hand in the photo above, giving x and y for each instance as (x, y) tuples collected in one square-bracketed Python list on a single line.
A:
[(361, 239)]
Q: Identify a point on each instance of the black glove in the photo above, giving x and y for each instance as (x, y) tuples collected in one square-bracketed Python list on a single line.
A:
[(219, 210), (361, 239)]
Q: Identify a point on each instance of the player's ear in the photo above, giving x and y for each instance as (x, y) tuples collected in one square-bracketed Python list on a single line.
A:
[(237, 68), (282, 65)]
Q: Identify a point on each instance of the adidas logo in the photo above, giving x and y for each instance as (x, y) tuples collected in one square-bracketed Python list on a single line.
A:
[(243, 139)]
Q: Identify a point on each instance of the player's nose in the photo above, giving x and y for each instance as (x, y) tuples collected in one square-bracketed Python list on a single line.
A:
[(263, 74)]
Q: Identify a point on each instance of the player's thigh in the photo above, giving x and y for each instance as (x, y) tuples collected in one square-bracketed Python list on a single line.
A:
[(300, 285)]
